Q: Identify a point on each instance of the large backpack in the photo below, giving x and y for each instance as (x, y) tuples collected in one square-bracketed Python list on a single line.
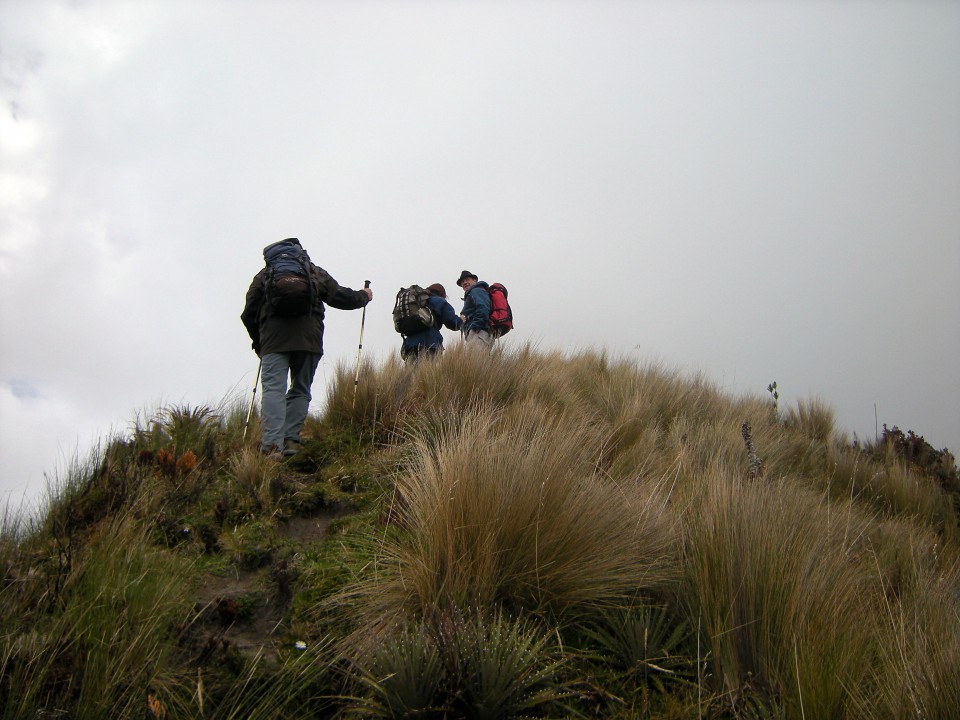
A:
[(411, 314), (289, 289), (501, 315)]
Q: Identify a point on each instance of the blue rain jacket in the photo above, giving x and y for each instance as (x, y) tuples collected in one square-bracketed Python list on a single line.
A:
[(476, 307), (443, 314)]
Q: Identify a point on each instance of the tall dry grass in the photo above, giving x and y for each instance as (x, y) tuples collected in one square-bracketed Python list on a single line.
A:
[(781, 596), (529, 527), (916, 583), (550, 484)]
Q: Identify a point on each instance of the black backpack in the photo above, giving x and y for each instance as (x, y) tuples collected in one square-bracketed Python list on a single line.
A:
[(411, 314), (289, 289)]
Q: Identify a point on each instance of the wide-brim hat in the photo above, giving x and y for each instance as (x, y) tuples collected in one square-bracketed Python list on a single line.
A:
[(464, 275)]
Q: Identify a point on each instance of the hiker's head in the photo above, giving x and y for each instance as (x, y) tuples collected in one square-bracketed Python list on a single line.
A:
[(467, 280), (437, 289)]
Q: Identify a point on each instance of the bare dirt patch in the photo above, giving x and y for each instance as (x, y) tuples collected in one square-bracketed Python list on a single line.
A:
[(307, 530), (245, 609)]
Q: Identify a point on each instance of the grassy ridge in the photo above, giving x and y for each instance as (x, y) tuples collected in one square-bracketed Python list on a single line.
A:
[(520, 534)]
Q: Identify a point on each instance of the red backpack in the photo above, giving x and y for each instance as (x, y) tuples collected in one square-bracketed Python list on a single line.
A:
[(501, 315)]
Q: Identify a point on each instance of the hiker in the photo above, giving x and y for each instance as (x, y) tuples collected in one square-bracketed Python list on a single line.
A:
[(429, 342), (475, 316), (284, 316)]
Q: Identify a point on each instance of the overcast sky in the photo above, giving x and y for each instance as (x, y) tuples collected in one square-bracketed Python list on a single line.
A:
[(758, 191)]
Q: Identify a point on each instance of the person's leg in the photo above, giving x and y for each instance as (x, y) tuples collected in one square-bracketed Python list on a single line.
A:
[(303, 366), (478, 339), (273, 380)]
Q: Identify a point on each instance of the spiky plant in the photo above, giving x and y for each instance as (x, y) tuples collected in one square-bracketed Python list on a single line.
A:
[(402, 676), (648, 642), (501, 667)]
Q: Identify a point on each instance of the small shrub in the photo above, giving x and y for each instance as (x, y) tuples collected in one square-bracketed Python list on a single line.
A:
[(918, 453)]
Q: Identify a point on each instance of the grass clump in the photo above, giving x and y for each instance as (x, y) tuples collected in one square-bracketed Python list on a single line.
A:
[(780, 597), (529, 528)]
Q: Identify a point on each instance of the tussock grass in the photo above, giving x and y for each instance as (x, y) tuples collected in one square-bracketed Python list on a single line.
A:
[(529, 527), (386, 398), (811, 418), (889, 488), (920, 648), (779, 595), (256, 475)]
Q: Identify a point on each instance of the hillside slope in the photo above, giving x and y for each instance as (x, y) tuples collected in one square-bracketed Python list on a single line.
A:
[(520, 534)]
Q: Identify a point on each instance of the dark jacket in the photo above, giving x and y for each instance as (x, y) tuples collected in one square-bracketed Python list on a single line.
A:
[(476, 307), (443, 314), (304, 333)]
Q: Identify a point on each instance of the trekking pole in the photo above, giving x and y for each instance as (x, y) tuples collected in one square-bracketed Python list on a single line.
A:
[(256, 381), (356, 375)]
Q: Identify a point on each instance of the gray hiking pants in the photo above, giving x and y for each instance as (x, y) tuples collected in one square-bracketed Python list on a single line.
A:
[(283, 411), (478, 339)]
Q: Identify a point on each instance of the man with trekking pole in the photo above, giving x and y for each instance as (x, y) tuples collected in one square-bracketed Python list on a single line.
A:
[(283, 315)]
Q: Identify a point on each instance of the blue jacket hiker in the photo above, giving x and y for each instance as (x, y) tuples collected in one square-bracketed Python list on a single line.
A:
[(475, 315), (429, 342)]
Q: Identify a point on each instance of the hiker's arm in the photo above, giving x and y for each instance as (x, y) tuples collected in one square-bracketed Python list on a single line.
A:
[(337, 296), (449, 317), (251, 310)]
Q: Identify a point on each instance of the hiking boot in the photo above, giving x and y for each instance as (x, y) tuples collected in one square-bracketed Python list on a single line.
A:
[(272, 452), (291, 447)]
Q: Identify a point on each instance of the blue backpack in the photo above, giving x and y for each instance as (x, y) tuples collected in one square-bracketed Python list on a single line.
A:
[(289, 289)]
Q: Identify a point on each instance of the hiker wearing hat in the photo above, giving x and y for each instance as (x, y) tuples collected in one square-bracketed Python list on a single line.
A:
[(475, 316), (283, 315), (429, 342)]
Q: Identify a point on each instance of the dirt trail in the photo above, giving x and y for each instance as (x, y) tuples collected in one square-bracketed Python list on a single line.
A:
[(245, 609)]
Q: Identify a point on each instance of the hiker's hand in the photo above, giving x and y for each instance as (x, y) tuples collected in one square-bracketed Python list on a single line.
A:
[(369, 293), (463, 318)]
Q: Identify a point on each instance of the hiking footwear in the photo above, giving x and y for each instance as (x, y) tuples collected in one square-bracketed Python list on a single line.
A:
[(291, 447), (272, 452)]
